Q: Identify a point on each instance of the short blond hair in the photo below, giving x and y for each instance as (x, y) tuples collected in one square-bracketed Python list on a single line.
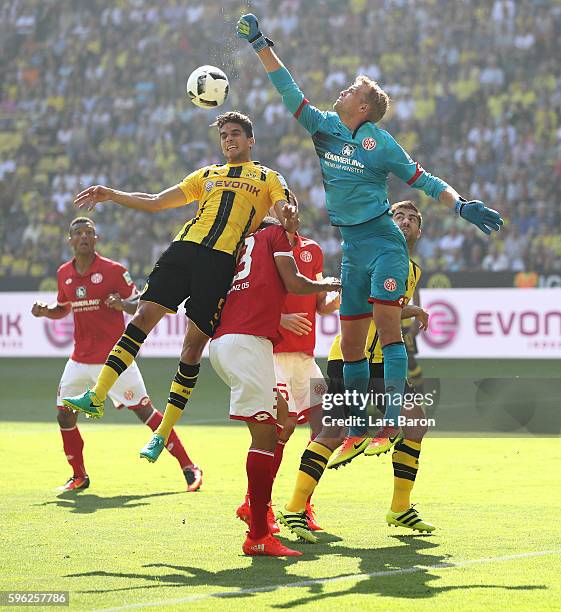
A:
[(376, 98)]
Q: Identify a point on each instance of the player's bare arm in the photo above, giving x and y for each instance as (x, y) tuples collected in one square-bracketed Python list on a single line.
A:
[(299, 284), (421, 315), (129, 305), (149, 202), (326, 304), (296, 322), (50, 311)]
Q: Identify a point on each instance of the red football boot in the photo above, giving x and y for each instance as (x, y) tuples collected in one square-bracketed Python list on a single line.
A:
[(311, 518), (75, 483), (268, 546)]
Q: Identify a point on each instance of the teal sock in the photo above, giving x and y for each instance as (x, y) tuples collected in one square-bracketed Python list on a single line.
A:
[(356, 375), (395, 373)]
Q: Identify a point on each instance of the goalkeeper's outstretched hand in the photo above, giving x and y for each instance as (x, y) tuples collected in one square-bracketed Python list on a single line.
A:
[(486, 219), (248, 29)]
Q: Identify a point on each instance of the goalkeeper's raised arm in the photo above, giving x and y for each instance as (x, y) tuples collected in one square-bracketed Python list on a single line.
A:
[(293, 98)]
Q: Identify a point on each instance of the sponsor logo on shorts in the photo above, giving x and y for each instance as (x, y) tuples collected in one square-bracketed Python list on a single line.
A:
[(306, 256), (368, 144), (96, 278), (390, 284), (262, 416), (80, 292), (348, 150), (144, 401), (128, 395)]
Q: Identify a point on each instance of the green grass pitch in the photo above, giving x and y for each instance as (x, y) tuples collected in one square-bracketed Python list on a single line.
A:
[(135, 539)]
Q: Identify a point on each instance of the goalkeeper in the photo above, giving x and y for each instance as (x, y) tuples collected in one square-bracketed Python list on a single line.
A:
[(356, 157)]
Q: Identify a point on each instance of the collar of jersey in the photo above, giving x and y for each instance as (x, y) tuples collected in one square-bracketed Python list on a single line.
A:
[(239, 163), (90, 270)]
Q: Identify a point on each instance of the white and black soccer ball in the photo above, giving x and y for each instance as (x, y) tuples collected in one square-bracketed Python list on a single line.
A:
[(207, 87)]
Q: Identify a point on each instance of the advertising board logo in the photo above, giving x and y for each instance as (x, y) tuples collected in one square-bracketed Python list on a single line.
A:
[(60, 333), (444, 323)]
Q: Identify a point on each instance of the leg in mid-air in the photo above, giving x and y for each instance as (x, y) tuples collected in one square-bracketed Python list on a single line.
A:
[(119, 359), (181, 388), (152, 418)]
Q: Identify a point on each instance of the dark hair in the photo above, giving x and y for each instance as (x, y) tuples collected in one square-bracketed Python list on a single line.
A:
[(80, 221), (267, 222), (235, 117), (408, 205)]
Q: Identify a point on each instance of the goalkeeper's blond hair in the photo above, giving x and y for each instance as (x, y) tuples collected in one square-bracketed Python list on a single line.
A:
[(377, 99)]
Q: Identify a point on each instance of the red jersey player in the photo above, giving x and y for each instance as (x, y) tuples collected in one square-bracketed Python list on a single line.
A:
[(96, 289), (299, 378), (241, 352)]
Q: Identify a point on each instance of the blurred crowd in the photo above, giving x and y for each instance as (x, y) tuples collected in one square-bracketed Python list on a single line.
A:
[(93, 91)]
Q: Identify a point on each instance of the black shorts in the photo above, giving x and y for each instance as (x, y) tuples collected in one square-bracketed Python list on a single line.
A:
[(376, 385), (189, 271)]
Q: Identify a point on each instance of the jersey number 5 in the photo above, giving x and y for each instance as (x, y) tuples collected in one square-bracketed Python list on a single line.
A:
[(244, 265)]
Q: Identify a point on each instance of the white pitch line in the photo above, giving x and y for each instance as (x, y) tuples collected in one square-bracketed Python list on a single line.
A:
[(305, 583)]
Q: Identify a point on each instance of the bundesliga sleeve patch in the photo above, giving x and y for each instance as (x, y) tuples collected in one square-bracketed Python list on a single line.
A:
[(127, 277)]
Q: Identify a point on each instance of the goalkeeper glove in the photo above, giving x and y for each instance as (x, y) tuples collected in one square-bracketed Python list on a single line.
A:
[(248, 29), (474, 211)]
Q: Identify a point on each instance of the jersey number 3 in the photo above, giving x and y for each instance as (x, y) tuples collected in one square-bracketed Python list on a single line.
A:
[(244, 265)]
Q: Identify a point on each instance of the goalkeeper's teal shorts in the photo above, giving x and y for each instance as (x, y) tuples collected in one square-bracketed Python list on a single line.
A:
[(374, 268)]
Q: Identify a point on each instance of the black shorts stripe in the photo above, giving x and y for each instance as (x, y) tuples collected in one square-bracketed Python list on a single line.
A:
[(221, 220), (117, 364), (308, 454), (401, 446), (244, 233), (128, 345), (235, 172), (372, 347)]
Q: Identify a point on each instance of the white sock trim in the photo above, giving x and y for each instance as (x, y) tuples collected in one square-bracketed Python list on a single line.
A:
[(69, 428), (261, 452)]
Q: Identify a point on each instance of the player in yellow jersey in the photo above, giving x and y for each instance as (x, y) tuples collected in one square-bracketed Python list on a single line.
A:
[(320, 452), (198, 266)]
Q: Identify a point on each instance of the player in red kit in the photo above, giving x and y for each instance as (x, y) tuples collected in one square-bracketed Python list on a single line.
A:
[(241, 352), (299, 379), (97, 290)]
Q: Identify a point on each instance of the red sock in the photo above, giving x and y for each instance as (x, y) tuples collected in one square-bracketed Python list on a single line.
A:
[(174, 445), (277, 458), (260, 482), (73, 447)]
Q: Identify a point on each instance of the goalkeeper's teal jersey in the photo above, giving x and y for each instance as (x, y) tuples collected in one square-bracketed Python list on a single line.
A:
[(355, 165)]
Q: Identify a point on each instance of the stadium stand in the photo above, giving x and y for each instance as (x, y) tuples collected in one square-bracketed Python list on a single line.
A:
[(93, 91)]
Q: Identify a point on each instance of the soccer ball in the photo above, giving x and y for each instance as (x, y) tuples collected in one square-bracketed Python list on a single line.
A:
[(207, 86)]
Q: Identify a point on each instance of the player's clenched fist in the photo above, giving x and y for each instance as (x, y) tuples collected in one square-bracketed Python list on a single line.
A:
[(248, 29), (91, 196), (39, 309)]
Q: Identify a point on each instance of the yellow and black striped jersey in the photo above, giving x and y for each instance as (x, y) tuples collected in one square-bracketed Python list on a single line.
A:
[(373, 349), (233, 200)]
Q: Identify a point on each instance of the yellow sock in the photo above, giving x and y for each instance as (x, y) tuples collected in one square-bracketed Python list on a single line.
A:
[(405, 461), (118, 360), (171, 416), (312, 465), (180, 391)]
